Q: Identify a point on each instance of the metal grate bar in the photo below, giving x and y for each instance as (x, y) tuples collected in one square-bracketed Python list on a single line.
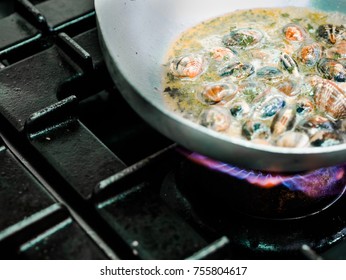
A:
[(75, 51), (29, 11), (219, 249)]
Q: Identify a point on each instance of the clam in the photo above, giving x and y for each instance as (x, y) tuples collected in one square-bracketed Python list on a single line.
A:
[(294, 32), (217, 92), (255, 130), (289, 64), (269, 73), (293, 139), (270, 104), (268, 56), (216, 118), (332, 70), (337, 51), (237, 70), (283, 121), (326, 139), (341, 126), (289, 87), (313, 80), (315, 124), (304, 106), (240, 109), (331, 33), (243, 38), (310, 54), (188, 66), (223, 54), (251, 88), (330, 98)]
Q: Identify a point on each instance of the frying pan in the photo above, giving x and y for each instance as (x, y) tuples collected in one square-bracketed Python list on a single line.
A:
[(135, 37)]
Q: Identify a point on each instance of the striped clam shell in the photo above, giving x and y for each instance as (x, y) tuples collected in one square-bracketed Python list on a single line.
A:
[(330, 98)]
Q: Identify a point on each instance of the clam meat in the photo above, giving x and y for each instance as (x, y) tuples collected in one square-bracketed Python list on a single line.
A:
[(310, 54), (223, 54), (294, 32), (217, 92), (188, 66)]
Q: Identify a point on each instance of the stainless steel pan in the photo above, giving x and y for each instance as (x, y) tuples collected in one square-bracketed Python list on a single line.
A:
[(135, 36)]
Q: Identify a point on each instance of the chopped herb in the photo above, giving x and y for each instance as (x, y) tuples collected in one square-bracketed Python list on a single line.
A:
[(232, 28), (310, 27), (249, 97), (244, 40), (248, 40), (337, 55), (297, 20), (285, 15), (170, 77), (272, 24), (172, 91)]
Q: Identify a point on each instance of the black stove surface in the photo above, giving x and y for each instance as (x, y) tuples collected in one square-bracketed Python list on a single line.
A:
[(78, 179)]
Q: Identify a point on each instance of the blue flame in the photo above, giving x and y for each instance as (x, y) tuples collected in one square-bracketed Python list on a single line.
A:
[(315, 183)]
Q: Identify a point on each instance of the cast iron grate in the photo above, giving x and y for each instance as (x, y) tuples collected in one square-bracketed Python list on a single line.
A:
[(77, 179)]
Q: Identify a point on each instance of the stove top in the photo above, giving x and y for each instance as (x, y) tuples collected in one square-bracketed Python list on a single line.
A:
[(78, 179)]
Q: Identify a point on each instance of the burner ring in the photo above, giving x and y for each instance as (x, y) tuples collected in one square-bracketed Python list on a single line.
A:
[(262, 195)]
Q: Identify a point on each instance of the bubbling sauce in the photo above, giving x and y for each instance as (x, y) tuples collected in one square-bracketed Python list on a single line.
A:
[(270, 76)]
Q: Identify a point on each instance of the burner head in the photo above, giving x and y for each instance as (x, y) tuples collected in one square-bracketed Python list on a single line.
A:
[(266, 195)]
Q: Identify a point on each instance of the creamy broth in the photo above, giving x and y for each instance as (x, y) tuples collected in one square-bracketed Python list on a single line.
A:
[(270, 76)]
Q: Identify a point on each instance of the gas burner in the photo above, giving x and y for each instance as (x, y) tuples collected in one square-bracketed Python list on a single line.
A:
[(268, 195), (261, 220)]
